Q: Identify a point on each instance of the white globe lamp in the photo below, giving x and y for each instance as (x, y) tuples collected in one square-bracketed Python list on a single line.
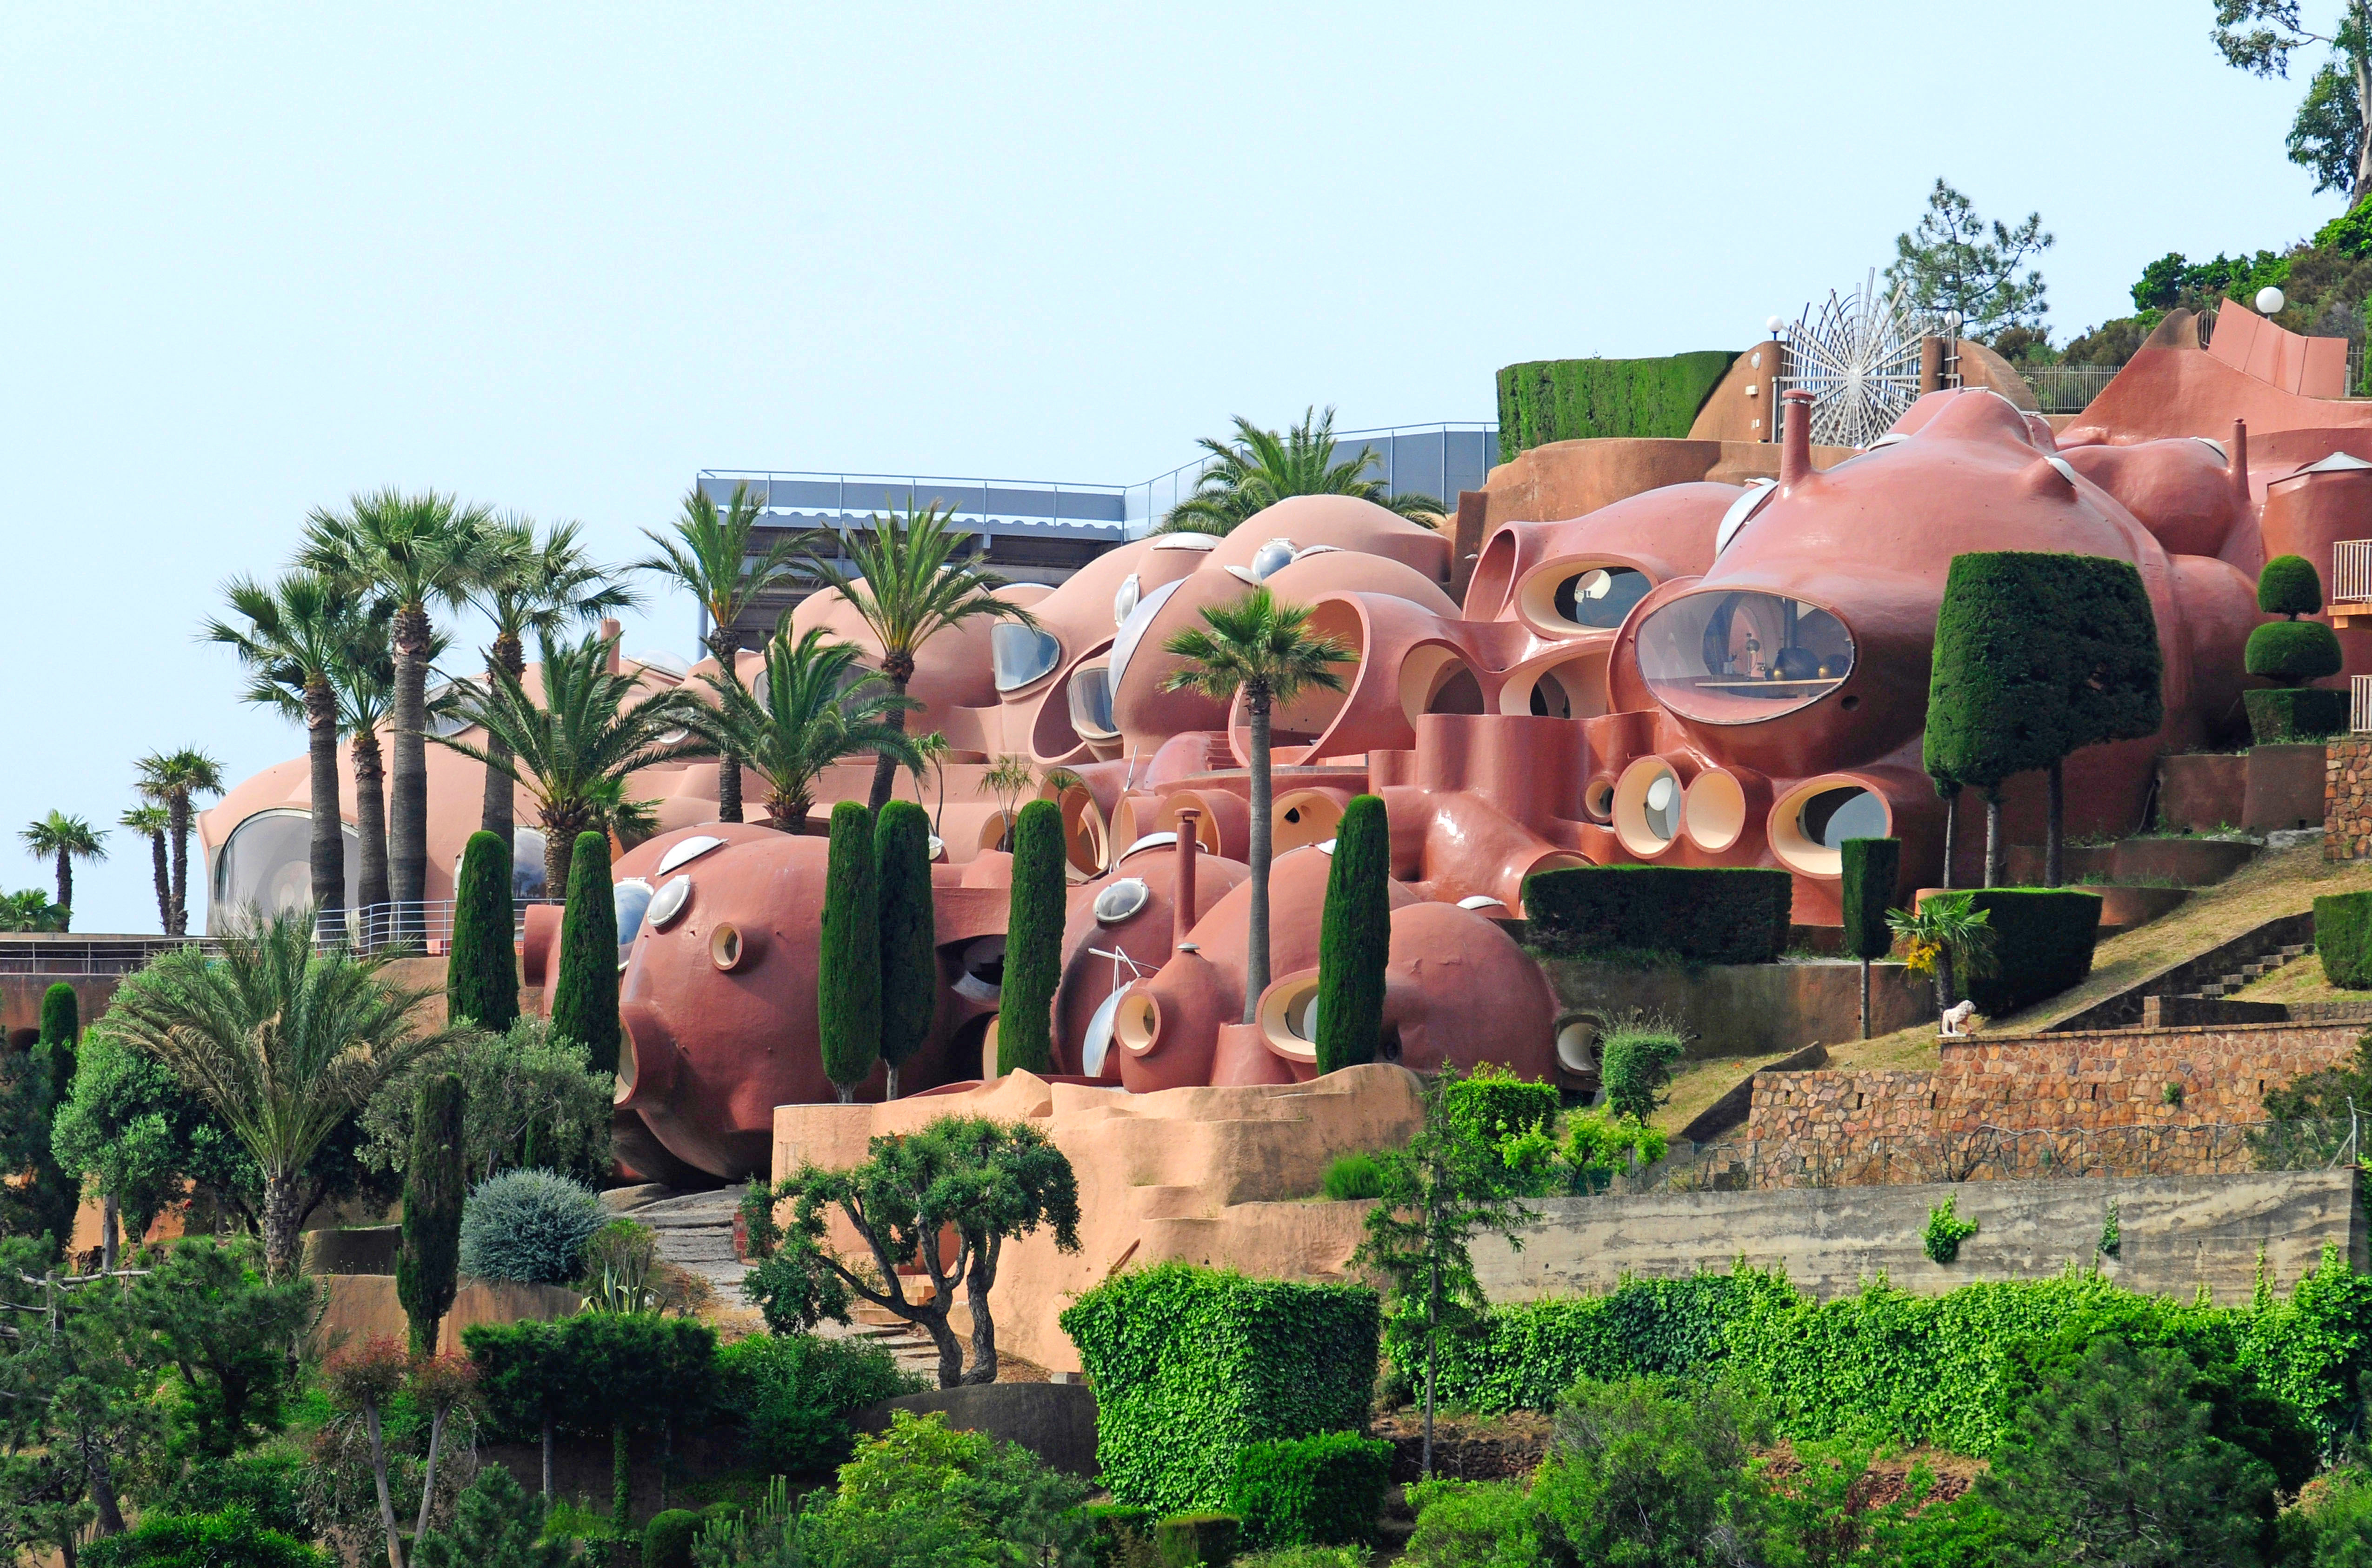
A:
[(2270, 301)]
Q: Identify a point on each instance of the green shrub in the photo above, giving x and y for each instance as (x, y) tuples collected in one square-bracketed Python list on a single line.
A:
[(1635, 1063), (1190, 1365), (61, 1015), (667, 1540), (495, 1524), (480, 968), (909, 963), (1188, 1541), (1117, 1534), (1461, 1524), (1642, 1467), (1309, 1557), (271, 1484), (1033, 942), (1492, 1103), (584, 997), (1871, 867), (1706, 914), (2289, 586), (230, 1539), (2291, 713), (848, 953), (1571, 399), (1324, 1490), (1354, 937), (435, 1188), (2293, 652), (1945, 1232), (793, 1394), (1598, 1144), (2042, 945), (2342, 937), (529, 1226), (1353, 1175)]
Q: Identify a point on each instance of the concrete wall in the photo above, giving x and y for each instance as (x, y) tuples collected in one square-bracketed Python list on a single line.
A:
[(2178, 1231), (364, 1307), (1748, 1010)]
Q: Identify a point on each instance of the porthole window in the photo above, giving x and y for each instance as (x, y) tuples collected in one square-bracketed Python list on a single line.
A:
[(687, 850), (1020, 655), (1600, 596), (631, 898), (668, 903), (1272, 558), (1741, 657), (1122, 900), (1831, 817), (1125, 601)]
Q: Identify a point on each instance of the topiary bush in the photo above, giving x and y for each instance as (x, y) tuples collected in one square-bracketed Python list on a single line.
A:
[(848, 956), (2289, 586), (1871, 867), (2342, 939), (1325, 1490), (1188, 1540), (584, 997), (1353, 1176), (2287, 715), (1033, 942), (1703, 914), (481, 967), (61, 1015), (2294, 651), (1635, 1063), (1190, 1365), (1354, 937), (528, 1225), (1492, 1104), (667, 1540), (1570, 400), (2042, 944), (909, 963), (1118, 1533)]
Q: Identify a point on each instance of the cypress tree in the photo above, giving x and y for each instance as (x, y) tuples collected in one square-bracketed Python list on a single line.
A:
[(909, 963), (481, 969), (1871, 867), (53, 1196), (848, 965), (585, 1000), (1033, 943), (434, 1186), (1354, 937), (62, 1020)]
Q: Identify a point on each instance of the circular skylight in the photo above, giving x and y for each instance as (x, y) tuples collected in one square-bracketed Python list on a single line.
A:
[(668, 903), (684, 852), (1122, 900)]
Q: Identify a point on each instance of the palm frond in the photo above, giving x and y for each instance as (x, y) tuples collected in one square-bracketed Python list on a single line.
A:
[(1259, 645), (1260, 468), (908, 583)]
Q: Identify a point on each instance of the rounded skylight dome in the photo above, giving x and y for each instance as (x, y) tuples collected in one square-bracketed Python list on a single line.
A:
[(668, 903), (1125, 601), (1122, 900), (1272, 558)]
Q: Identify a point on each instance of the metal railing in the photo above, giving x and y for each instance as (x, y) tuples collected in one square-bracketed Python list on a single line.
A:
[(2351, 570), (2066, 388), (2359, 704), (26, 953), (426, 927)]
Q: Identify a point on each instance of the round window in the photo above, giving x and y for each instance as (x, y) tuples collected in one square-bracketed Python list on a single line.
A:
[(1272, 558), (1602, 595), (668, 903), (1122, 900)]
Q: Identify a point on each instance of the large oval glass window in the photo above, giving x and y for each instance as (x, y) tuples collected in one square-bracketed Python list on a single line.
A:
[(1021, 654), (1602, 595), (1742, 657), (1091, 701)]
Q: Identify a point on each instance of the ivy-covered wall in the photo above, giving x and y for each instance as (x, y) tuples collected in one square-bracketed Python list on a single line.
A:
[(1569, 399)]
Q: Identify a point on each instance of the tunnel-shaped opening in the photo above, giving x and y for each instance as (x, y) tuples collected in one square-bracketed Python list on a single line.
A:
[(1569, 597), (1810, 822), (980, 969), (1087, 843), (1289, 1016), (1136, 1020), (1303, 817), (1486, 594), (1434, 680), (1570, 689), (1715, 809), (1648, 805)]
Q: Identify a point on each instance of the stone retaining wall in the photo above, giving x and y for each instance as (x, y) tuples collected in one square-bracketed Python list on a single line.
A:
[(2347, 799)]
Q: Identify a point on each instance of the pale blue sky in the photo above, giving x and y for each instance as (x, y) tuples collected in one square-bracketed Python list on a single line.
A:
[(557, 259)]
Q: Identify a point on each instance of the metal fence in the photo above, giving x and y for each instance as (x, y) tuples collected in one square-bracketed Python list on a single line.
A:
[(2000, 1153), (426, 927), (28, 954), (2066, 388)]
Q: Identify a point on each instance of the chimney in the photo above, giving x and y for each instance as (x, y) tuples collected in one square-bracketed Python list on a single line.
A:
[(1795, 439), (2237, 462), (1182, 920), (610, 632)]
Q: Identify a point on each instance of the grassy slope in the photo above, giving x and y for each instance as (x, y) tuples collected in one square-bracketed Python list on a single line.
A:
[(2273, 884)]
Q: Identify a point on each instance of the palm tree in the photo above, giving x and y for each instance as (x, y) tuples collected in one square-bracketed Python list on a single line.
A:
[(1007, 778), (547, 588), (571, 751), (717, 559), (294, 633), (932, 750), (815, 705), (1945, 929), (153, 823), (1261, 467), (31, 911), (281, 1041), (910, 584), (1265, 650), (416, 552), (174, 780), (64, 840), (627, 821)]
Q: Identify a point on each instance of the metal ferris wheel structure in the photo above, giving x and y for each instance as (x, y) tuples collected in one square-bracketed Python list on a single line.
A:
[(1859, 358)]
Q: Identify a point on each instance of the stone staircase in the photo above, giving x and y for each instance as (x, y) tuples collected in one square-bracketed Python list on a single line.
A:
[(2248, 973)]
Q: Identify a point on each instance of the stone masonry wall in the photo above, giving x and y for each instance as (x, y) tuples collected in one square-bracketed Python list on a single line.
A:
[(2016, 1105), (2347, 799)]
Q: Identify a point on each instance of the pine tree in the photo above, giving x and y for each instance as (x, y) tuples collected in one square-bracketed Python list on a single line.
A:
[(434, 1182), (910, 964), (481, 969), (1354, 937), (848, 965), (1033, 943), (585, 1001)]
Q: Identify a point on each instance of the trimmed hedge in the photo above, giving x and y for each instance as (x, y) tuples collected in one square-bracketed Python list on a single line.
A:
[(1887, 1365), (2342, 936), (1321, 1490), (1112, 1524), (1871, 867), (667, 1540), (910, 964), (1493, 1104), (848, 953), (1033, 942), (585, 998), (1569, 399), (480, 969), (2042, 944), (2289, 586), (61, 1015), (1190, 1540), (2293, 652), (1191, 1366), (2291, 713), (1713, 914), (1354, 937)]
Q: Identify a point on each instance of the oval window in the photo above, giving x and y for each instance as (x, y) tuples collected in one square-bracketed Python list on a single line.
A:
[(684, 851), (1600, 596), (1125, 601), (1091, 701), (632, 901), (1020, 655), (668, 903), (1741, 657), (1123, 899), (1272, 558), (1831, 817), (1140, 620)]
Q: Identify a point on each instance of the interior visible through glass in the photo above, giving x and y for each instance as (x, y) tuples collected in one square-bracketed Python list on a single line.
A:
[(1601, 597), (1740, 657), (1020, 655), (1831, 817)]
